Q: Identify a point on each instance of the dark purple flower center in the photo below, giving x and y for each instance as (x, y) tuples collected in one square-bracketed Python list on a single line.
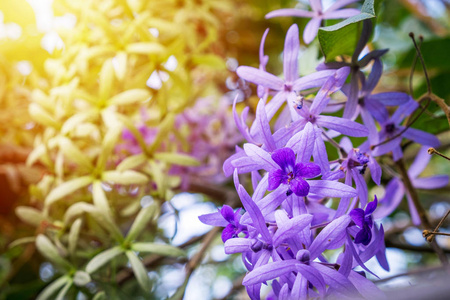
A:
[(287, 87), (390, 128)]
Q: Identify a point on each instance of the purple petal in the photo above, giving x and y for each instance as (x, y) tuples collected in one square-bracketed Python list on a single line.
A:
[(228, 233), (261, 189), (311, 30), (284, 134), (375, 170), (370, 125), (316, 5), (260, 77), (340, 3), (214, 219), (356, 255), (275, 103), (263, 128), (381, 253), (374, 76), (253, 210), (326, 188), (245, 164), (404, 110), (238, 245), (352, 101), (276, 177), (290, 12), (363, 236), (415, 218), (228, 213), (263, 58), (270, 271), (361, 187), (260, 157), (299, 186), (366, 287), (370, 208), (320, 153), (420, 162), (290, 54), (302, 143), (421, 137), (331, 85), (291, 227), (242, 127), (357, 216), (336, 281), (313, 80), (308, 170), (333, 231), (390, 98), (393, 196), (344, 126), (430, 183), (270, 202), (285, 158), (377, 110), (341, 14), (313, 276)]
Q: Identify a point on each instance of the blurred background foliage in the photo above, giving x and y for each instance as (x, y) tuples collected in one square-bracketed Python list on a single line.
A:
[(111, 110)]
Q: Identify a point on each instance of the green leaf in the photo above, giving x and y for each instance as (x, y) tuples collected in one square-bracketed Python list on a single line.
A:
[(25, 240), (100, 296), (99, 197), (67, 188), (30, 215), (141, 221), (62, 293), (177, 158), (81, 278), (73, 236), (49, 251), (139, 271), (146, 48), (131, 162), (126, 177), (102, 258), (72, 152), (342, 38), (160, 249), (130, 97), (53, 287)]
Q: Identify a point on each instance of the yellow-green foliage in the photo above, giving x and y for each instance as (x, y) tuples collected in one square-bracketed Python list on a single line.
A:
[(82, 98)]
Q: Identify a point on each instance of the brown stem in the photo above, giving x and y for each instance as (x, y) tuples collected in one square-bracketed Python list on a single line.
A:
[(420, 209), (432, 151)]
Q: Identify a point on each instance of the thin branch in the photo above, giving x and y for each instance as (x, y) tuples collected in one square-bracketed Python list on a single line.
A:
[(432, 151)]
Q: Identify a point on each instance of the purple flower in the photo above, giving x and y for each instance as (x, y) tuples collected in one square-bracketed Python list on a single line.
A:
[(363, 219), (225, 217), (286, 89), (392, 133), (395, 189), (317, 15), (291, 173)]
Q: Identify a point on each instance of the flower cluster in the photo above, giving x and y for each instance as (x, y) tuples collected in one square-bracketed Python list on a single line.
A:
[(299, 208)]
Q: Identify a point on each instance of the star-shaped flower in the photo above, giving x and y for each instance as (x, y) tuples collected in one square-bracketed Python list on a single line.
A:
[(317, 15), (291, 173), (363, 219)]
